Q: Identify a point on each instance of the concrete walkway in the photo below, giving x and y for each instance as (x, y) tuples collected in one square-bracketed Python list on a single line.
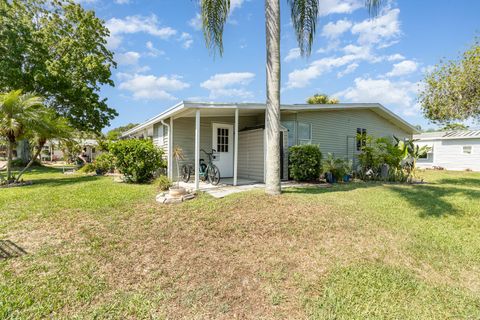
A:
[(226, 187)]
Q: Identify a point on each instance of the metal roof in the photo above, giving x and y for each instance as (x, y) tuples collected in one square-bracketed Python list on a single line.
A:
[(441, 135), (185, 105)]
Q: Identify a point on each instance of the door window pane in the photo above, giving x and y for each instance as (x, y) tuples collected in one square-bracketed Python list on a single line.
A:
[(222, 140)]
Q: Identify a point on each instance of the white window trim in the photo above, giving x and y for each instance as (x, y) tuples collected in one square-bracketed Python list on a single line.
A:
[(308, 141)]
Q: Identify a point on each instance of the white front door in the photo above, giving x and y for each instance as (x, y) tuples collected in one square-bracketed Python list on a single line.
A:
[(222, 143)]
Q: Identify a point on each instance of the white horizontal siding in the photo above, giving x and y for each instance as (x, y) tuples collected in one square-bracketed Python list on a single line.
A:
[(251, 154), (449, 154)]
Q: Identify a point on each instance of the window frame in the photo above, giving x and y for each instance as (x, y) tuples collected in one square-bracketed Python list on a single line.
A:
[(468, 147), (301, 141), (362, 141)]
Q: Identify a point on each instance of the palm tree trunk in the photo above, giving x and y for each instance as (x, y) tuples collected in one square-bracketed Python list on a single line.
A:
[(9, 161), (272, 112), (35, 156)]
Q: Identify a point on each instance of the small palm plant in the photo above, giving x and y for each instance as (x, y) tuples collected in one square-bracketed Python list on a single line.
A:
[(18, 113), (177, 153)]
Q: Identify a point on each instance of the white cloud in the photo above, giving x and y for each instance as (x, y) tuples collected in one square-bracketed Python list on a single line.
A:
[(400, 94), (152, 51), (150, 87), (127, 58), (335, 29), (349, 69), (327, 7), (292, 54), (196, 22), (384, 27), (235, 4), (186, 39), (403, 68), (122, 1), (136, 24), (229, 85), (395, 57), (301, 78)]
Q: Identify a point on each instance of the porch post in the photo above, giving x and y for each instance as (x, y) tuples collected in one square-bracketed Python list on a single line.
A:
[(235, 147), (170, 150), (197, 149)]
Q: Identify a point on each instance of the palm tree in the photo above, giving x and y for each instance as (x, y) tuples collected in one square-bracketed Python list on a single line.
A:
[(17, 113), (50, 127), (304, 14)]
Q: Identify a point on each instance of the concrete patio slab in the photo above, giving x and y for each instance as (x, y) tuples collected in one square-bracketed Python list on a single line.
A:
[(226, 187)]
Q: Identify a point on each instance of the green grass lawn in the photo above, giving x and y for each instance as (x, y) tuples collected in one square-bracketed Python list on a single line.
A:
[(100, 249)]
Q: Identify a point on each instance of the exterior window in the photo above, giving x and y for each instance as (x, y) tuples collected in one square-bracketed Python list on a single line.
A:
[(290, 125), (304, 133), (93, 150), (222, 139), (423, 156), (361, 138), (467, 150)]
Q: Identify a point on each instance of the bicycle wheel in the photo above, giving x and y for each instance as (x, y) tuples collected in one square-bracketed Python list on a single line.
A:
[(185, 173), (213, 175)]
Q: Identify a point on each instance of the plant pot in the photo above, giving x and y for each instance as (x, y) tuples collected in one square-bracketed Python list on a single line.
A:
[(177, 191), (329, 177)]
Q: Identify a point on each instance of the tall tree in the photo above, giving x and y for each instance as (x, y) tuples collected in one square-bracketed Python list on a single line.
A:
[(58, 50), (322, 99), (451, 91), (18, 113), (116, 133), (304, 14)]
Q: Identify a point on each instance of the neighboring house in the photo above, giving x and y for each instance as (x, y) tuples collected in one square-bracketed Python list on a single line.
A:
[(236, 132), (53, 152), (451, 150)]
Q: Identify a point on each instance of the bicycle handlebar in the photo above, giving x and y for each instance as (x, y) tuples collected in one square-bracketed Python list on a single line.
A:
[(208, 153)]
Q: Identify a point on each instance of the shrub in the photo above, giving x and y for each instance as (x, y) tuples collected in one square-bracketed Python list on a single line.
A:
[(105, 163), (87, 168), (305, 162), (163, 183), (137, 159)]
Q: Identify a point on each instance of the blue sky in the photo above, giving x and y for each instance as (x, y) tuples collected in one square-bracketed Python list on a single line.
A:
[(162, 56)]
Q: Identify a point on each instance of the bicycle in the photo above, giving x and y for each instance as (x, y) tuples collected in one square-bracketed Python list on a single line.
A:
[(208, 171)]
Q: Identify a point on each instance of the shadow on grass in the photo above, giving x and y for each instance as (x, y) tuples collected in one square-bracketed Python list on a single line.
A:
[(334, 188), (430, 199), (9, 250), (466, 182), (55, 182)]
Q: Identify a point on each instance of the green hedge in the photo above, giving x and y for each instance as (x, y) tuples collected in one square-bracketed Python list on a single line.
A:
[(137, 159), (305, 162)]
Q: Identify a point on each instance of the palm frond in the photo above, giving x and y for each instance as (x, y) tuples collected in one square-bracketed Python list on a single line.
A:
[(373, 6), (304, 14), (214, 17)]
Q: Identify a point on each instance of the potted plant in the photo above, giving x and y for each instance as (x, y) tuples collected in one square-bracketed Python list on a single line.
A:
[(176, 190), (329, 167)]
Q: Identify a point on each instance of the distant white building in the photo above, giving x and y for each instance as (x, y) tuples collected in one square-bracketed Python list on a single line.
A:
[(451, 150)]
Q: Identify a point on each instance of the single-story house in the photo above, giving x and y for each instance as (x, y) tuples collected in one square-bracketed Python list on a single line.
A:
[(451, 150), (236, 132), (52, 150)]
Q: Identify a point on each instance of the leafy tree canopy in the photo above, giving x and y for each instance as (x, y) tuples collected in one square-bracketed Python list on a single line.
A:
[(452, 90), (454, 126), (322, 99), (57, 49), (115, 133)]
